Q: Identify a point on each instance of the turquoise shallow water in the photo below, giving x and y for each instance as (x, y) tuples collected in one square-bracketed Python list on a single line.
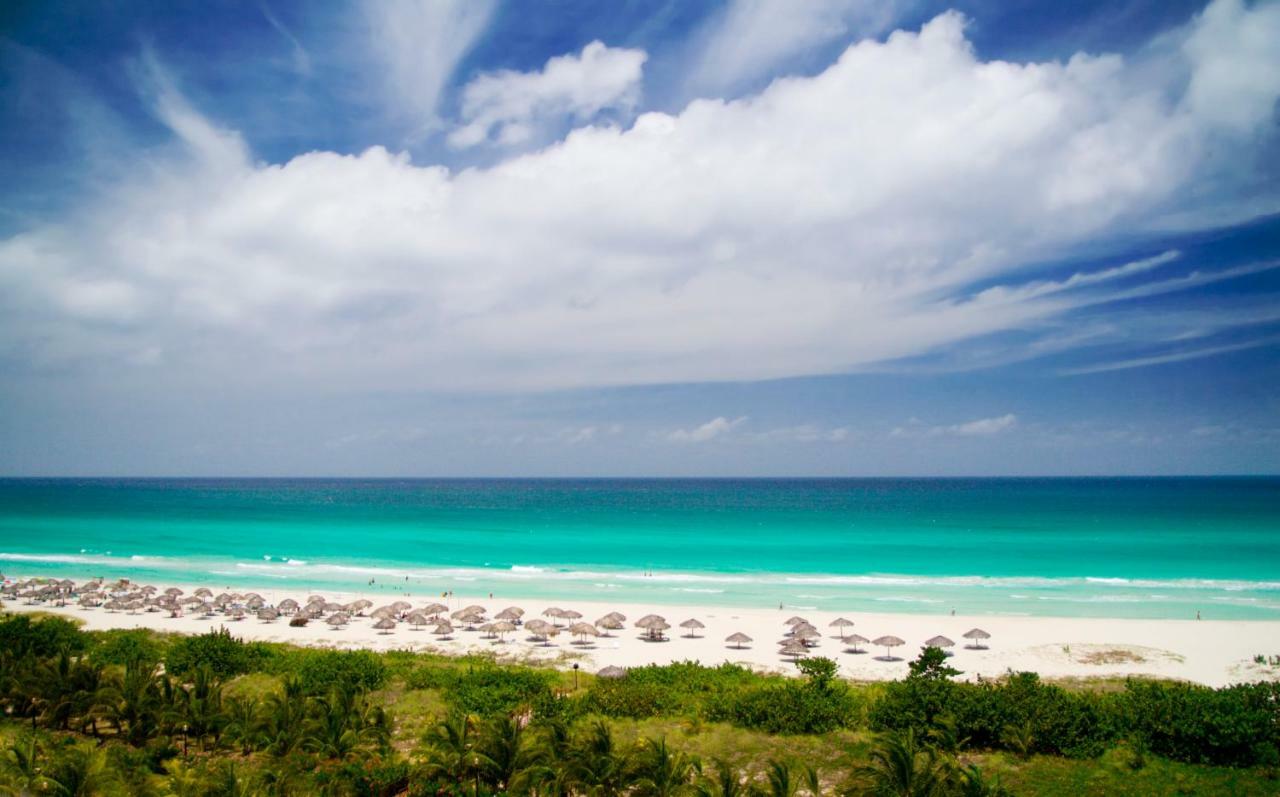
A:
[(1065, 547)]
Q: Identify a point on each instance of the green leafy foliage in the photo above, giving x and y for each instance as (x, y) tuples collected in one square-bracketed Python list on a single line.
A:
[(121, 646), (1235, 726), (319, 671), (44, 637), (224, 655)]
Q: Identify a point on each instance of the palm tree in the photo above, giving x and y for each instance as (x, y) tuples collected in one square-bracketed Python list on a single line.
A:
[(21, 768), (200, 708), (901, 767), (662, 772), (779, 780), (242, 723), (812, 781), (597, 766), (131, 703), (451, 753), (971, 782), (506, 757), (80, 772), (283, 722), (727, 782)]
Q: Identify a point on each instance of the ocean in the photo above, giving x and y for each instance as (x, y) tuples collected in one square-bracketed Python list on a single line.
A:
[(1140, 548)]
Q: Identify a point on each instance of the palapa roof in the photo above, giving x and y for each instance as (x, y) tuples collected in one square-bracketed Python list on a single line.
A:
[(338, 618), (840, 622), (510, 613), (939, 642), (888, 642), (650, 620), (612, 671), (385, 624), (858, 639), (738, 638), (796, 621), (584, 629), (609, 622), (976, 633), (434, 608)]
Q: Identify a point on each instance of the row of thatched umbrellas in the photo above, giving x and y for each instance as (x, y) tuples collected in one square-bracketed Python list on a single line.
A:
[(122, 595), (801, 635)]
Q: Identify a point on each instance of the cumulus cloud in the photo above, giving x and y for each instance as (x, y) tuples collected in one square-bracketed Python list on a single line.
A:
[(716, 427), (981, 427), (508, 106), (826, 224)]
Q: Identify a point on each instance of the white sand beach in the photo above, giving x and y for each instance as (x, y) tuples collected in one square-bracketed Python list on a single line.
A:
[(1210, 652)]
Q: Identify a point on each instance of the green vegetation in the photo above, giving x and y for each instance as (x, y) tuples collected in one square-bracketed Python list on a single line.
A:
[(137, 713)]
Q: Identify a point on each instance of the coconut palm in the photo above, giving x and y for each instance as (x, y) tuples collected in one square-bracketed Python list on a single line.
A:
[(507, 757), (450, 749), (902, 767), (243, 723), (599, 766), (663, 772), (726, 782), (779, 781), (22, 768)]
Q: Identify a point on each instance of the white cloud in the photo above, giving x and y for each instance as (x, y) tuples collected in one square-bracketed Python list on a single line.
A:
[(508, 106), (827, 224), (754, 39), (420, 43), (981, 427), (805, 433), (716, 427)]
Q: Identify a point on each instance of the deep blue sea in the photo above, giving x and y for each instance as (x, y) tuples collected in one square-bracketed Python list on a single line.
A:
[(1147, 548)]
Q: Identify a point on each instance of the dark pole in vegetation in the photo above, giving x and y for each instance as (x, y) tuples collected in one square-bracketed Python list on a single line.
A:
[(575, 676)]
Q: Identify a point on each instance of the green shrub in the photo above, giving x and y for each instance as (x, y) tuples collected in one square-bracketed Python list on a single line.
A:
[(1234, 726), (43, 637), (489, 690), (225, 656), (121, 646), (817, 705), (319, 671)]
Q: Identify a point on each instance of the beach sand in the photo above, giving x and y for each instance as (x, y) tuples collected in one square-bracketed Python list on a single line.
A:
[(1210, 652)]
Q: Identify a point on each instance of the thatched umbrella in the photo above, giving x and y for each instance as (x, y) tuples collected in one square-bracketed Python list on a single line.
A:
[(468, 617), (541, 629), (358, 606), (793, 648), (268, 615), (443, 629), (434, 609), (612, 671), (857, 639), (288, 606), (338, 619), (555, 613), (571, 614), (738, 639), (502, 627), (510, 614), (381, 612), (692, 627), (416, 620), (842, 624), (255, 603), (401, 606), (809, 636), (795, 621), (223, 599), (331, 607), (174, 591), (609, 623), (939, 642), (488, 630), (977, 635), (385, 626), (249, 596), (237, 612), (203, 592), (582, 631), (888, 642), (315, 598), (654, 625), (474, 608)]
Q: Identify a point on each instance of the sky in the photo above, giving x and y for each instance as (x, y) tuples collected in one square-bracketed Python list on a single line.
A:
[(639, 238)]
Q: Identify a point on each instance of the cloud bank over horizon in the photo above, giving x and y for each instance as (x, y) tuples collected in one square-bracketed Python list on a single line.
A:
[(908, 206)]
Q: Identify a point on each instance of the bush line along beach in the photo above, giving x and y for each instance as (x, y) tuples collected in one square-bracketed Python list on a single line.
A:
[(142, 711)]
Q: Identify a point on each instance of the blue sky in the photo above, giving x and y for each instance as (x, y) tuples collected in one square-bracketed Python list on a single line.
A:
[(639, 238)]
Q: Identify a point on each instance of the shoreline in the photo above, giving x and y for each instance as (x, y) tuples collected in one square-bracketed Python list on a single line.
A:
[(1210, 652)]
